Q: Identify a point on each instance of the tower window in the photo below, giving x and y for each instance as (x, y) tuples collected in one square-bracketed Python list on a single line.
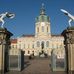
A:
[(47, 29), (37, 29), (42, 28)]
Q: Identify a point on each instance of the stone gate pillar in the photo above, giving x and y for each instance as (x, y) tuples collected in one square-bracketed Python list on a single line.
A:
[(69, 48), (4, 47)]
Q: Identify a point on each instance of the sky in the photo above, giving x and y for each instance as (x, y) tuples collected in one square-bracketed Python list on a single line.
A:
[(27, 10)]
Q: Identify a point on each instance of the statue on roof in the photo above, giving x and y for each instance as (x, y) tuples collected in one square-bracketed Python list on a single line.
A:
[(69, 15), (3, 15)]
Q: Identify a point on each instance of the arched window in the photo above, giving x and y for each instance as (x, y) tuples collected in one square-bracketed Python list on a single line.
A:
[(42, 28), (47, 44), (42, 45), (38, 44)]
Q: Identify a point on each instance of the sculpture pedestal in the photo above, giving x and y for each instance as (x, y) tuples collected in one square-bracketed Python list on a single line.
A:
[(58, 63), (4, 47), (69, 48), (16, 59)]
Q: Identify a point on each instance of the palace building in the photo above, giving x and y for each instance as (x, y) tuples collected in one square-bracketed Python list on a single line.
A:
[(43, 42)]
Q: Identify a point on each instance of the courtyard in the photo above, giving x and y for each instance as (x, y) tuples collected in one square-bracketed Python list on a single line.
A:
[(36, 66)]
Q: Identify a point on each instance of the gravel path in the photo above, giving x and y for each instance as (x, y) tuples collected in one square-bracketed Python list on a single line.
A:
[(36, 66)]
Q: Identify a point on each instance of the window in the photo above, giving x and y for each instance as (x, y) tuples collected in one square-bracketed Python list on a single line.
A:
[(47, 29), (42, 45), (24, 46), (28, 45), (38, 44), (15, 52), (12, 52), (47, 44), (24, 52), (16, 46), (19, 46), (33, 46), (57, 46), (37, 29), (28, 52), (33, 51), (42, 28), (12, 46)]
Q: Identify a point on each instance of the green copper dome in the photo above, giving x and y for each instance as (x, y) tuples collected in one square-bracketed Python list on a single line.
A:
[(42, 17)]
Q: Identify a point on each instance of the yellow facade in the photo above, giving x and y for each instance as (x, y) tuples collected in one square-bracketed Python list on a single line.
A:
[(43, 40)]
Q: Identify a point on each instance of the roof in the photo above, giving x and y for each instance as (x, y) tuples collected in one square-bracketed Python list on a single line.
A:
[(13, 40), (28, 35), (56, 35), (34, 35)]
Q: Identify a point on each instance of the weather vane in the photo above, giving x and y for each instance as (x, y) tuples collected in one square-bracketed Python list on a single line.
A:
[(69, 15), (3, 15)]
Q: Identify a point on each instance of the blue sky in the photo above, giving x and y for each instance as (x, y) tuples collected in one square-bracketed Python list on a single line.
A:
[(27, 10)]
